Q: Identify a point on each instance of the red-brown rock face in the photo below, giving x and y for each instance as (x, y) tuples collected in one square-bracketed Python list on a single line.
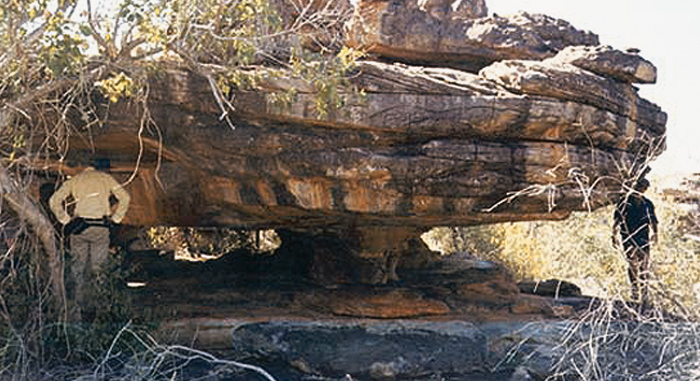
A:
[(534, 131)]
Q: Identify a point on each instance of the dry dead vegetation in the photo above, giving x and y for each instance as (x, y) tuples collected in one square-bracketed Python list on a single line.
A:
[(617, 340), (579, 250), (614, 341)]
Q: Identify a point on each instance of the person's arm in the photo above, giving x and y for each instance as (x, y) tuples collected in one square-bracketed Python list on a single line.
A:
[(617, 219), (654, 222), (56, 203), (123, 200)]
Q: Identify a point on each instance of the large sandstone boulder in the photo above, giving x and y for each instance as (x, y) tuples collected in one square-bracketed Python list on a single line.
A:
[(436, 35), (608, 62), (543, 122), (566, 82)]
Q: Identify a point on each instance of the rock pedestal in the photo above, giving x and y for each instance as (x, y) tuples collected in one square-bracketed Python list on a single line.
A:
[(356, 255)]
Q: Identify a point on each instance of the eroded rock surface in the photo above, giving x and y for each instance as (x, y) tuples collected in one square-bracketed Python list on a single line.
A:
[(424, 350), (609, 62), (407, 32), (259, 286), (516, 118)]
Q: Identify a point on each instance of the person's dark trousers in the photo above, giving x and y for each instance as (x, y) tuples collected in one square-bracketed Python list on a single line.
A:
[(638, 258), (89, 254)]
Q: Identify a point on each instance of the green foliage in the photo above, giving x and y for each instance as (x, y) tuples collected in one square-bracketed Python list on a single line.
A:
[(110, 309), (63, 47), (283, 100), (13, 141), (112, 49), (31, 336), (328, 77), (116, 86), (54, 57), (205, 243), (37, 39), (231, 33)]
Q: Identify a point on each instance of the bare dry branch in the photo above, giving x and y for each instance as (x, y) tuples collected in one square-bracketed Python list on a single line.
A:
[(42, 227)]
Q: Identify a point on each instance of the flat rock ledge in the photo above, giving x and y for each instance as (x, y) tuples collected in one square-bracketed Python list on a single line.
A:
[(446, 350), (453, 320)]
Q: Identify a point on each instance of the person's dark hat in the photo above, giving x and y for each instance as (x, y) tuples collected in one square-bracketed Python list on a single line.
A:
[(641, 185), (102, 163)]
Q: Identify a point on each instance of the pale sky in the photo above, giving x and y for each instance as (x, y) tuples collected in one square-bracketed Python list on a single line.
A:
[(668, 34)]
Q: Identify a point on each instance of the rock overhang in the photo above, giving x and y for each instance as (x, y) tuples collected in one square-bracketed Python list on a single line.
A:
[(544, 111), (452, 150), (544, 121)]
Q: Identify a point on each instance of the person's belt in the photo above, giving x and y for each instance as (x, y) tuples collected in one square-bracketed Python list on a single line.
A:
[(79, 224), (101, 219), (104, 221)]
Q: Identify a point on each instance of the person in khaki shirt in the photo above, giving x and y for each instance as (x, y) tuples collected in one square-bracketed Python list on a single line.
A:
[(89, 193)]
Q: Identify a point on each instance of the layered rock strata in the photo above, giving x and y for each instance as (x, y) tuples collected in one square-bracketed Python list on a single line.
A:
[(517, 118), (407, 32)]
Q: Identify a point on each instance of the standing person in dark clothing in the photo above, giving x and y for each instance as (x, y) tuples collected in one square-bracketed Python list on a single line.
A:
[(634, 217)]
